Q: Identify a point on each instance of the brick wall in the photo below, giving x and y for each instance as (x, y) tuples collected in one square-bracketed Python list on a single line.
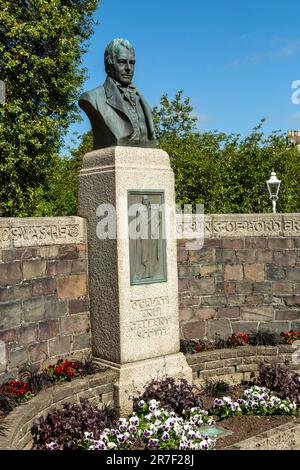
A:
[(44, 312), (245, 277)]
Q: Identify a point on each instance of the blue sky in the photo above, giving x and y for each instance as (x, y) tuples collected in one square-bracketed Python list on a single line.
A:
[(235, 59)]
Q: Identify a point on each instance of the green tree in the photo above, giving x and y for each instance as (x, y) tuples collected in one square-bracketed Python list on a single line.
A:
[(226, 173), (41, 46)]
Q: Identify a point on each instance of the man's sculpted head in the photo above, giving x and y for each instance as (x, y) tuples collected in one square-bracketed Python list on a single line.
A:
[(119, 61)]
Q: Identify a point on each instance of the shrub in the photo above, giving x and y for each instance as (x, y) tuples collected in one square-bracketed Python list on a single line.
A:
[(239, 339), (280, 379), (290, 337), (64, 370), (68, 424), (216, 388), (172, 396), (263, 338)]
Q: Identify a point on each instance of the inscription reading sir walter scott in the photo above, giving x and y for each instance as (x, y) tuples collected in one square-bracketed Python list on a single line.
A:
[(150, 317)]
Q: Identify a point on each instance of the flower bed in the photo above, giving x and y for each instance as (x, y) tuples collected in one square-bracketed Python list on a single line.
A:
[(258, 338)]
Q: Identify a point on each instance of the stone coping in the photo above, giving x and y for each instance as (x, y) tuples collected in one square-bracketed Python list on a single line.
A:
[(17, 425), (244, 225), (283, 437), (236, 364), (18, 232)]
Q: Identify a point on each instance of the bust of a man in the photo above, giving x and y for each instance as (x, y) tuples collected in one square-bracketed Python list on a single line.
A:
[(118, 113)]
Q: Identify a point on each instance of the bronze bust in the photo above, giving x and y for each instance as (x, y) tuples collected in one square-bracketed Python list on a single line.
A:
[(118, 113)]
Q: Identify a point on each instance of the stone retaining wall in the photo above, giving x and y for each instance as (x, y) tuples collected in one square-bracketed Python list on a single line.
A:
[(245, 277), (98, 388), (283, 437), (44, 311), (237, 364)]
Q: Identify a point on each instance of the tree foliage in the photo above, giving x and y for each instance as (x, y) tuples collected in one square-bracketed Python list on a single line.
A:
[(41, 45), (226, 173)]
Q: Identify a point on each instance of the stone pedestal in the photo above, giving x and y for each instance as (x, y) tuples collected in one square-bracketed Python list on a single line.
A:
[(135, 328)]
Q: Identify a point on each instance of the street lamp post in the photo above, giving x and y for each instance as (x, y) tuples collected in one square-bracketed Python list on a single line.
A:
[(273, 187)]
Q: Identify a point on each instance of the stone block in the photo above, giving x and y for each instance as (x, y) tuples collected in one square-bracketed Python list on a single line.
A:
[(6, 294), (247, 368), (246, 256), (78, 306), (34, 309), (265, 256), (292, 301), (79, 266), (17, 357), (188, 301), (23, 291), (193, 330), (235, 300), (275, 326), (225, 256), (77, 323), (10, 273), (285, 258), (8, 255), (56, 267), (38, 351), (71, 287), (233, 272), (27, 334), (280, 243), (254, 272), (214, 364), (287, 314), (213, 301), (55, 308), (220, 327), (107, 398), (210, 269), (202, 286), (182, 254), (282, 287), (48, 252), (208, 374), (8, 336), (255, 299), (204, 313), (48, 329), (205, 255), (255, 242), (204, 357), (245, 327), (226, 288), (183, 285), (253, 313), (229, 312), (230, 353), (25, 253), (60, 345), (81, 341), (44, 286), (233, 244), (293, 274), (34, 268), (268, 350), (243, 287), (187, 272), (185, 314), (68, 252), (234, 361), (262, 287), (10, 315)]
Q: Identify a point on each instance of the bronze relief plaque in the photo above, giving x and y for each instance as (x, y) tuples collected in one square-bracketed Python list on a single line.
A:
[(147, 240)]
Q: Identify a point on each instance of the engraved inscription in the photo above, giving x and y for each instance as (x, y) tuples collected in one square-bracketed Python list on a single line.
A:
[(150, 318), (34, 233)]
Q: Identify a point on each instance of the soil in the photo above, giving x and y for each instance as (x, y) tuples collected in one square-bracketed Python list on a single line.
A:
[(245, 426)]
